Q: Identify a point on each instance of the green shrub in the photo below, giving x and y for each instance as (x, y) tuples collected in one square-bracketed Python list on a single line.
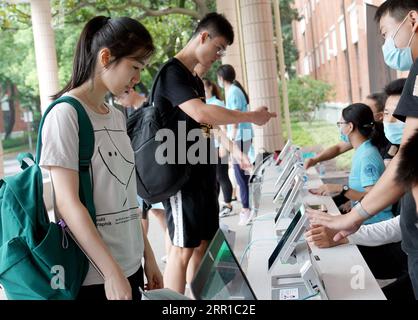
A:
[(306, 95), (18, 143)]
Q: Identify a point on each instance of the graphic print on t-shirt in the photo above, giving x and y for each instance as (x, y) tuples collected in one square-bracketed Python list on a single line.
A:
[(120, 167)]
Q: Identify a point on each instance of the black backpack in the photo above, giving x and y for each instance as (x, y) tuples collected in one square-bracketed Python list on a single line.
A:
[(155, 182)]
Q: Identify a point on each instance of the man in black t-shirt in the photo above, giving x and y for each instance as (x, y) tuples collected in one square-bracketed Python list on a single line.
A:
[(398, 21), (193, 213)]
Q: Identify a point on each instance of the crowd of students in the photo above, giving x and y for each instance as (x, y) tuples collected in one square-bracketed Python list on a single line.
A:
[(110, 55)]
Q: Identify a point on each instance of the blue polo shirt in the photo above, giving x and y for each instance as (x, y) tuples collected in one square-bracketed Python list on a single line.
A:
[(366, 169), (235, 100), (215, 101)]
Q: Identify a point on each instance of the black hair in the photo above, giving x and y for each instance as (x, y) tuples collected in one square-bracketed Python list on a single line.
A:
[(395, 87), (227, 72), (361, 116), (215, 90), (380, 99), (217, 26), (407, 172), (123, 36), (397, 9)]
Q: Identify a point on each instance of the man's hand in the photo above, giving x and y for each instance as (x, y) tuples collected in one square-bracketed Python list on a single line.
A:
[(322, 237), (310, 163), (222, 152), (327, 190), (345, 208), (242, 159), (261, 116), (344, 225)]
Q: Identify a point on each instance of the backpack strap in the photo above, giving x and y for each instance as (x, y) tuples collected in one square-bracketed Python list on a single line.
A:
[(86, 150), (154, 83)]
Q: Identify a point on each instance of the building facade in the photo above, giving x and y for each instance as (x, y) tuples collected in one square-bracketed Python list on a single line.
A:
[(339, 42)]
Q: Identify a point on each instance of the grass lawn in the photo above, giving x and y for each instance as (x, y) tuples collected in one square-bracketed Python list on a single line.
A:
[(321, 134), (18, 144)]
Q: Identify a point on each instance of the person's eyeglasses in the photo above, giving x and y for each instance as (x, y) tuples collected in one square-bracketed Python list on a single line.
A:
[(221, 51), (340, 123)]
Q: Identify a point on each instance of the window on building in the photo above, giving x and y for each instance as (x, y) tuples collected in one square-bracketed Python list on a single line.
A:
[(334, 46), (302, 24), (306, 65), (327, 48), (317, 60), (321, 46), (353, 23), (343, 37), (311, 62)]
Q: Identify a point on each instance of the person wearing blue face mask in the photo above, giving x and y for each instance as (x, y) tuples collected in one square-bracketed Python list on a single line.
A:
[(400, 18), (393, 127)]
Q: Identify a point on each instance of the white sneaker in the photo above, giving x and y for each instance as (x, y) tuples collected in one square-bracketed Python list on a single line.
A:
[(244, 217), (225, 211)]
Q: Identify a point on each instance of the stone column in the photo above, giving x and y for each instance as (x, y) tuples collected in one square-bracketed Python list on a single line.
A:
[(257, 22), (46, 59), (233, 54)]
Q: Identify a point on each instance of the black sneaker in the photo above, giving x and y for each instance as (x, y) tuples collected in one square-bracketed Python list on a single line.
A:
[(225, 211)]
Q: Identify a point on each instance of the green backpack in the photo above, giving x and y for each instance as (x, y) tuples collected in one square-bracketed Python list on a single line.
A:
[(37, 259)]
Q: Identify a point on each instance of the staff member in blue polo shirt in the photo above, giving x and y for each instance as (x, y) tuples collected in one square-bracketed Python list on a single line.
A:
[(357, 127), (242, 133)]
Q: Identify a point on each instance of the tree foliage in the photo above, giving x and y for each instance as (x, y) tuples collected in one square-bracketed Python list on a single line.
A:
[(306, 95), (171, 23), (287, 15)]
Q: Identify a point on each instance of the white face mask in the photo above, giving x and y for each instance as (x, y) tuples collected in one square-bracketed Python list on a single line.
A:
[(220, 82)]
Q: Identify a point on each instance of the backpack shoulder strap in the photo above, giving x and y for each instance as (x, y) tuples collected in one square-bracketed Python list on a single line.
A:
[(157, 77), (86, 150)]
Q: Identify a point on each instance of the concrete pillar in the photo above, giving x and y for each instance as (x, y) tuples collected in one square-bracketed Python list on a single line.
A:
[(233, 53), (46, 59), (257, 22)]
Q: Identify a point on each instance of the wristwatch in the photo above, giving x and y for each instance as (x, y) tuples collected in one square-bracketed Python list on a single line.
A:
[(345, 189)]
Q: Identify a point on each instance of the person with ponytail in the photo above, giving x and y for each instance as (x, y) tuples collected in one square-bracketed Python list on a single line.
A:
[(357, 127), (213, 96), (109, 57), (242, 133)]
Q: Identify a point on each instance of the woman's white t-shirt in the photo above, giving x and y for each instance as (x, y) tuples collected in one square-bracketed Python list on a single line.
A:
[(113, 173)]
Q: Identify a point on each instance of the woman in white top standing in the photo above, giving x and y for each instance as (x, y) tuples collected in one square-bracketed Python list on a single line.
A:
[(109, 57)]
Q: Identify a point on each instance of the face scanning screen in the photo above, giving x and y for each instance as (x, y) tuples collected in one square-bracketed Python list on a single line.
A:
[(279, 211), (283, 240), (225, 279)]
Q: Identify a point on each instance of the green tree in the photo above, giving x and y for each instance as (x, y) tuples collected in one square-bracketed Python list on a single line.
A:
[(306, 95), (287, 15), (170, 21)]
